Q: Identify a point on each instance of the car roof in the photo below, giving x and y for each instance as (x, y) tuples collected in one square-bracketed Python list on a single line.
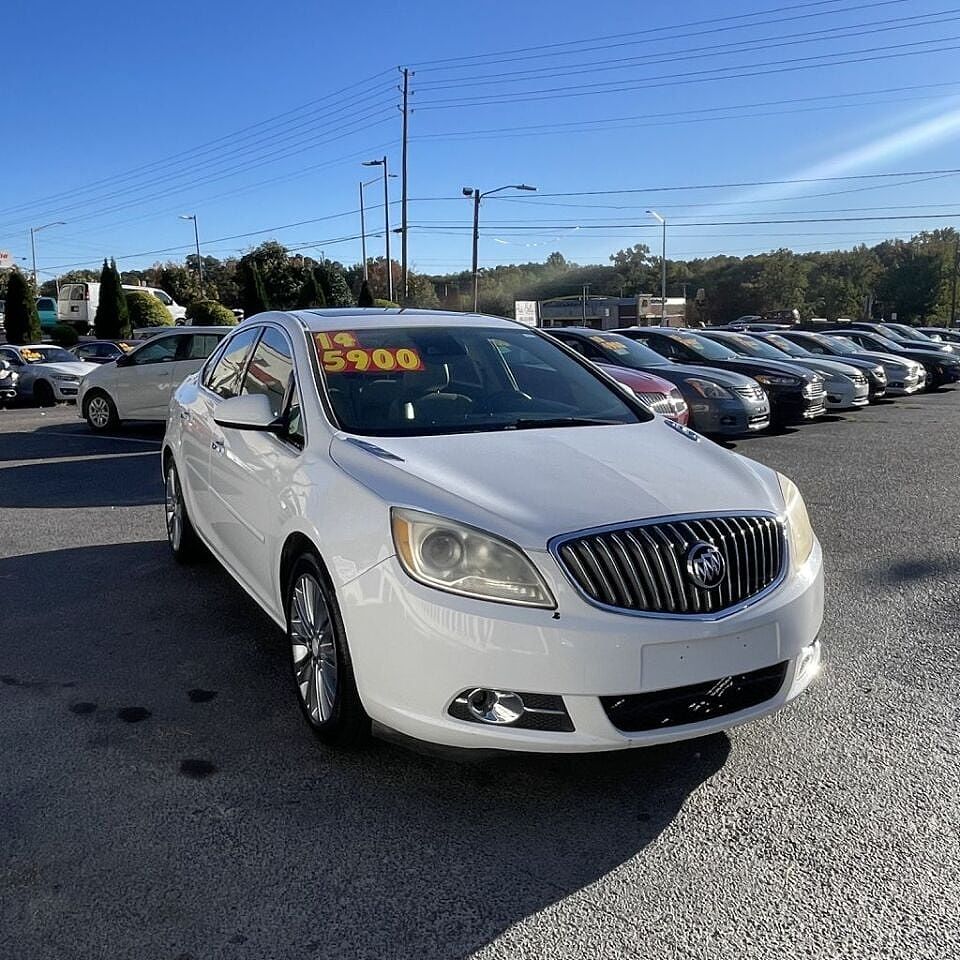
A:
[(333, 318)]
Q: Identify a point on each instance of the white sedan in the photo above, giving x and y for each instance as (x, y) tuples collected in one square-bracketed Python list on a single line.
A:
[(472, 537), (47, 374), (138, 384)]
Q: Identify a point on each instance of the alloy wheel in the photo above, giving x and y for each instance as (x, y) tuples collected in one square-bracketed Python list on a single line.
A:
[(173, 504), (313, 648), (98, 412)]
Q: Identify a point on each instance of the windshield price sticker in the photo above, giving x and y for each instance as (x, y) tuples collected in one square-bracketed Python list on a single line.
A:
[(341, 353), (615, 345), (31, 356)]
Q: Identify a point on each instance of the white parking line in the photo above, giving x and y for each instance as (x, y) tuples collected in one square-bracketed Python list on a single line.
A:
[(85, 436)]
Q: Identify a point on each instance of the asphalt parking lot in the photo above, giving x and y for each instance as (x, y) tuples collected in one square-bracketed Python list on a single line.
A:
[(160, 796)]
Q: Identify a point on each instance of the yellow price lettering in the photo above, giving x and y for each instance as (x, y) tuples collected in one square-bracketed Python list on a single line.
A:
[(383, 359), (360, 359), (407, 359), (333, 361)]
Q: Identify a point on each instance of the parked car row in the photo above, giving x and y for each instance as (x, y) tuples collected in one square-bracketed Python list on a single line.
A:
[(737, 381)]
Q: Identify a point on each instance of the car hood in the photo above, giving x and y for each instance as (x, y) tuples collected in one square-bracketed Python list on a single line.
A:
[(875, 355), (829, 368), (73, 368), (531, 485), (752, 366), (680, 371), (637, 379)]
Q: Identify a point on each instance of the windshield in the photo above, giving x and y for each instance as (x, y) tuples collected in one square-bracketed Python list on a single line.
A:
[(46, 355), (787, 346), (752, 347), (702, 347), (883, 343), (626, 352), (843, 345), (907, 333), (420, 380)]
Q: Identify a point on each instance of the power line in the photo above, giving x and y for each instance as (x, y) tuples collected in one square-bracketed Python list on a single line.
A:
[(695, 53), (699, 76), (553, 49), (200, 148)]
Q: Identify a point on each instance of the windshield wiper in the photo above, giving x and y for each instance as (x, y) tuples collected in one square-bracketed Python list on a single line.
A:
[(531, 423)]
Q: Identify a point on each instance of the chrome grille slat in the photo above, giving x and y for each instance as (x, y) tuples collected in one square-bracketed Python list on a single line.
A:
[(643, 567)]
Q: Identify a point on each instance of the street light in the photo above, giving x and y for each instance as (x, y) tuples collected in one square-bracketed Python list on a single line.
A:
[(477, 196), (663, 268), (386, 219), (196, 236), (363, 228), (33, 244)]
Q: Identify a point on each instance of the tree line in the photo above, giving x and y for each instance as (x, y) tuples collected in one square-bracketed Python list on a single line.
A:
[(916, 279)]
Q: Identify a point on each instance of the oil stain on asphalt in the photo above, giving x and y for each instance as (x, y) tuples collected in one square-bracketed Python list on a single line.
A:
[(133, 714), (197, 769)]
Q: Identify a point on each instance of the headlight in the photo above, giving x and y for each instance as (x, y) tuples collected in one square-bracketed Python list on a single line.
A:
[(771, 380), (65, 378), (710, 390), (677, 403), (880, 373), (4, 373), (460, 559), (798, 523)]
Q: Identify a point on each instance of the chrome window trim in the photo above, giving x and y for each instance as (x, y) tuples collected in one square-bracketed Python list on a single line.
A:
[(555, 543)]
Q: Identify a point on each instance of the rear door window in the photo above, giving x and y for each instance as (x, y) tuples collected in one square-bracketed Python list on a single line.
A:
[(223, 377), (162, 350), (200, 346)]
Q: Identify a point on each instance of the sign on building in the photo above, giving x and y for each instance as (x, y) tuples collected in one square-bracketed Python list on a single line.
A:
[(6, 261)]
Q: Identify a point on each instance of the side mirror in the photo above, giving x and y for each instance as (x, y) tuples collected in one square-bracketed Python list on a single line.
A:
[(124, 361), (251, 411)]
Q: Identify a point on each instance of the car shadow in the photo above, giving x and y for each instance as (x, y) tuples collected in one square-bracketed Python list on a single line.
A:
[(171, 706), (67, 466)]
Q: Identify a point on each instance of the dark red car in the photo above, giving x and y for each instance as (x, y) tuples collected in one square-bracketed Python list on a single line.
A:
[(654, 392)]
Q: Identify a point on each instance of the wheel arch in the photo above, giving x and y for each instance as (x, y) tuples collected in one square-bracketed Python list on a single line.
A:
[(296, 544)]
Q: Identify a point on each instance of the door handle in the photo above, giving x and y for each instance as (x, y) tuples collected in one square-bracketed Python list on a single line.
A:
[(184, 414), (216, 446)]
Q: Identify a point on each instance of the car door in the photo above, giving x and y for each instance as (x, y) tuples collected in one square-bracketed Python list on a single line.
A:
[(142, 382), (219, 378), (251, 472)]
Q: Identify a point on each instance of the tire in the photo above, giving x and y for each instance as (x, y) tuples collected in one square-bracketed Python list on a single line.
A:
[(184, 543), (100, 412), (321, 667), (43, 394)]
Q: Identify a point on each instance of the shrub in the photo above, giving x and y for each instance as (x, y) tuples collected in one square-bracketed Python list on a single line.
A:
[(63, 335), (22, 322), (146, 310), (209, 313), (385, 303), (366, 297), (112, 320)]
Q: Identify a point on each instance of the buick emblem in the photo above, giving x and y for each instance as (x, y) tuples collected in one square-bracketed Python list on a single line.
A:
[(705, 565)]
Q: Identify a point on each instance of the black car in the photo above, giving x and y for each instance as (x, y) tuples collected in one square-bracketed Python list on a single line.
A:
[(873, 371), (902, 333), (949, 335), (101, 351), (719, 401), (795, 394), (942, 366)]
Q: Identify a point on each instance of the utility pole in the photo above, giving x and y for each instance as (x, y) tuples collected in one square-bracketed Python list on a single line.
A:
[(953, 295), (196, 237), (33, 246), (363, 235), (405, 89), (583, 303), (477, 196), (663, 268), (382, 162)]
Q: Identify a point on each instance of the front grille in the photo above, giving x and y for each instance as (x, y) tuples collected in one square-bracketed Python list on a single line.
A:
[(657, 402), (814, 390), (694, 703), (750, 393), (643, 567)]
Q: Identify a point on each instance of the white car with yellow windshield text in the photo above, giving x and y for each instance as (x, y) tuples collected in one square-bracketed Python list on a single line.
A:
[(47, 373), (473, 537)]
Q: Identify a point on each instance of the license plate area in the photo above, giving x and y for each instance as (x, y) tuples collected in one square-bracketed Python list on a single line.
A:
[(683, 662)]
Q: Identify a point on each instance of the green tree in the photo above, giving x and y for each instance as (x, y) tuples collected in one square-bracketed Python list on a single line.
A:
[(210, 313), (112, 320), (22, 321), (253, 297), (281, 274), (330, 279), (365, 299), (311, 295), (145, 310)]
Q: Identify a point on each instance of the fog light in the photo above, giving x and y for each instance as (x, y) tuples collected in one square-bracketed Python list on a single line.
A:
[(808, 664), (494, 706)]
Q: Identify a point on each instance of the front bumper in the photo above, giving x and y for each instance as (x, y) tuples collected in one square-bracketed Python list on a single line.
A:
[(729, 417), (898, 387), (415, 650), (792, 406), (844, 396)]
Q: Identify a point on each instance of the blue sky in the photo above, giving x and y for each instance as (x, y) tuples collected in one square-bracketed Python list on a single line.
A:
[(256, 117)]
